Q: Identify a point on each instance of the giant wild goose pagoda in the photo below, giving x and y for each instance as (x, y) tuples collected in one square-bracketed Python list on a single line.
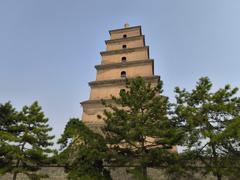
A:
[(126, 56)]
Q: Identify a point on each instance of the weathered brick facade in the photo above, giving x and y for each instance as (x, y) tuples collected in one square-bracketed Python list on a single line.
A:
[(126, 55)]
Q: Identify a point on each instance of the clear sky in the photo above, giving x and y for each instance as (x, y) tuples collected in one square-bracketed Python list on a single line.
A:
[(48, 48)]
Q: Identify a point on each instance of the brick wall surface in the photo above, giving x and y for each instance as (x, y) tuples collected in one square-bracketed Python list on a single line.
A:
[(57, 173)]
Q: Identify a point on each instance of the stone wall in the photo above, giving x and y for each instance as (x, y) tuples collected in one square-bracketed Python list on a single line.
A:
[(57, 173), (54, 173)]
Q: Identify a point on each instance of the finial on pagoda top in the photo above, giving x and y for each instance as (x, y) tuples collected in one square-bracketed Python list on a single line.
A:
[(126, 25)]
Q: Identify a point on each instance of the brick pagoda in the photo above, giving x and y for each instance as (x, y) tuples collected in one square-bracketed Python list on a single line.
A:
[(126, 56)]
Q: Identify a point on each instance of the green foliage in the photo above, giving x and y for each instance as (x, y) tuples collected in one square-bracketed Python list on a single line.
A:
[(8, 133), (25, 142), (83, 152), (138, 129), (211, 122)]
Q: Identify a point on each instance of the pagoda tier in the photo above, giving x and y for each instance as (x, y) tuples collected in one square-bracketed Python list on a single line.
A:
[(126, 56)]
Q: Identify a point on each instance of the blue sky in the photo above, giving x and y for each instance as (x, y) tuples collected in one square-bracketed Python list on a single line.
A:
[(48, 48)]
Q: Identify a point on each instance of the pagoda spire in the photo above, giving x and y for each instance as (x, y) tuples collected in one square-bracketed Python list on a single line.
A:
[(126, 25)]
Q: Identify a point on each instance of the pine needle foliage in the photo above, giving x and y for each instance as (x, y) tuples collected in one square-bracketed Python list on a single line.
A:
[(211, 122), (25, 143), (138, 130), (83, 152)]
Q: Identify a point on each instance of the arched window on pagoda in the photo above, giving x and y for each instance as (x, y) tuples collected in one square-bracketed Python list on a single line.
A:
[(123, 74)]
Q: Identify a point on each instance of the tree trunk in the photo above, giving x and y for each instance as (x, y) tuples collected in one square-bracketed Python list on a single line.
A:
[(14, 176), (18, 163), (144, 172), (219, 177), (216, 162), (143, 165), (15, 173)]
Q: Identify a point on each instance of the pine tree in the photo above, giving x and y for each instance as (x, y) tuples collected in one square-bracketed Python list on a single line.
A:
[(211, 122), (138, 130), (30, 142), (8, 133), (83, 152)]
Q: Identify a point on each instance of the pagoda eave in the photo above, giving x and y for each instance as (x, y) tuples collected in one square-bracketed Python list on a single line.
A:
[(125, 29), (112, 82), (95, 101), (125, 39), (121, 51), (124, 64)]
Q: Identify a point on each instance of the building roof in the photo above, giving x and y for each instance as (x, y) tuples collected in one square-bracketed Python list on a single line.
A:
[(125, 29)]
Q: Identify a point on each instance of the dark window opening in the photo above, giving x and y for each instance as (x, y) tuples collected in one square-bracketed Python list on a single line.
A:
[(124, 46), (124, 59), (123, 74), (124, 36)]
